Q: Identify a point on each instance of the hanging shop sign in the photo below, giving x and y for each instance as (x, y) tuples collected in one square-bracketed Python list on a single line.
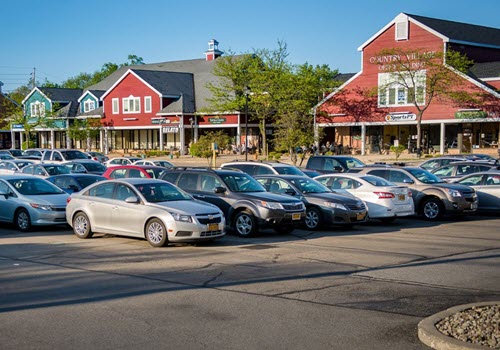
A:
[(471, 115), (403, 117), (216, 120), (17, 126), (170, 129), (160, 121)]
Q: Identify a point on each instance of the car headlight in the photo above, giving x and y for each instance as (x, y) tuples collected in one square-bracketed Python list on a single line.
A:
[(454, 193), (41, 206), (181, 217), (271, 205), (335, 205)]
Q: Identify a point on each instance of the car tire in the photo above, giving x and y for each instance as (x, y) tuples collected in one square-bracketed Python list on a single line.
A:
[(22, 220), (432, 209), (244, 224), (81, 226), (156, 233), (313, 218)]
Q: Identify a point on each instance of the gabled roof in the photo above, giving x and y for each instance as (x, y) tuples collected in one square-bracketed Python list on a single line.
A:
[(96, 93), (449, 31), (343, 77), (184, 105), (68, 111), (168, 83), (462, 32), (486, 70), (61, 94)]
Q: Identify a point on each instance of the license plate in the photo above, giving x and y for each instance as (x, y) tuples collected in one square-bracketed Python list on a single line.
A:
[(401, 197), (213, 227), (360, 216), (296, 216)]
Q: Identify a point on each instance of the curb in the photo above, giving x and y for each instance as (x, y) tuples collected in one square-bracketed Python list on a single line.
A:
[(432, 337)]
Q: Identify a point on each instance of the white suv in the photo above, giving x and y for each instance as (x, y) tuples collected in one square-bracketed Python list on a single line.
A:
[(264, 168), (62, 155)]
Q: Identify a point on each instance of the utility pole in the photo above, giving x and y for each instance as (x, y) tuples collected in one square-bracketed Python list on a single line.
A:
[(34, 77)]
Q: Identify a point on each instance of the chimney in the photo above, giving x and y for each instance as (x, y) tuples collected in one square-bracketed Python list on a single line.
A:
[(213, 50)]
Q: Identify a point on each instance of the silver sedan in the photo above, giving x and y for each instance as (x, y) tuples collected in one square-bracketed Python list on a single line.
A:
[(487, 186), (28, 200), (144, 208)]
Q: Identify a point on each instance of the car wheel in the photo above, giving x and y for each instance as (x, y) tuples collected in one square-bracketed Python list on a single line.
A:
[(81, 226), (244, 223), (156, 233), (432, 209), (22, 220), (313, 218)]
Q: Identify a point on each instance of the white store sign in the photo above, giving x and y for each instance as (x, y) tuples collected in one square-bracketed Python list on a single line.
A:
[(400, 117)]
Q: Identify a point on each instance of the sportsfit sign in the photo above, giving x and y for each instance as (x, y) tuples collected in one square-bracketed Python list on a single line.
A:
[(400, 117)]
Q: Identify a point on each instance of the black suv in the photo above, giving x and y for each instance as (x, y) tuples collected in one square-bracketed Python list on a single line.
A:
[(244, 202), (264, 168), (432, 196), (332, 164)]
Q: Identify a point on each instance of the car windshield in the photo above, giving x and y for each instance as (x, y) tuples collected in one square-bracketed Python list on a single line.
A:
[(57, 169), (164, 164), (425, 176), (242, 183), (94, 166), (34, 186), (162, 192), (21, 165), (377, 181), (73, 154), (307, 185), (289, 170), (85, 181), (353, 163), (155, 173), (16, 152)]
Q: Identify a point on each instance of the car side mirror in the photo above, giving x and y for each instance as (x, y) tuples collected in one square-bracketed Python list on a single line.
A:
[(220, 189), (132, 200), (7, 194)]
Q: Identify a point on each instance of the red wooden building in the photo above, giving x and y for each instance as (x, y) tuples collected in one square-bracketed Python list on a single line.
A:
[(392, 118)]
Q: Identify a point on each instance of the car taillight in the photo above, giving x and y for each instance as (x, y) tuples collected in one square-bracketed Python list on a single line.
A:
[(95, 158), (384, 195), (68, 200)]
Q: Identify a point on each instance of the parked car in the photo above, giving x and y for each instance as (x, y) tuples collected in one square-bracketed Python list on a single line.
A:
[(97, 156), (323, 207), (35, 152), (432, 197), (84, 166), (121, 161), (332, 164), (45, 169), (263, 168), (385, 200), (71, 183), (438, 162), (156, 162), (457, 170), (12, 166), (14, 152), (62, 155), (487, 187), (245, 203), (310, 173), (144, 208), (30, 201), (6, 156), (126, 171)]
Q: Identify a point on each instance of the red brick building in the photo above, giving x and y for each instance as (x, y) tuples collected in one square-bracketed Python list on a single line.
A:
[(393, 117)]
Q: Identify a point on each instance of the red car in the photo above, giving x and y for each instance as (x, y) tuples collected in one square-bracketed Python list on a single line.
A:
[(126, 171)]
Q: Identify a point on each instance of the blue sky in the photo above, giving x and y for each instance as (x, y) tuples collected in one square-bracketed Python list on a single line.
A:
[(66, 37)]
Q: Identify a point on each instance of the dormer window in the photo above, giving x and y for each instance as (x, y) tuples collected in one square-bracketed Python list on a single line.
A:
[(37, 109), (131, 104), (88, 106)]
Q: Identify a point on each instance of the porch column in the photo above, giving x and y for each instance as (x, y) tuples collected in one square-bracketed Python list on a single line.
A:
[(101, 140), (43, 139), (106, 142), (238, 133), (161, 138), (315, 130), (13, 139), (182, 135), (52, 140), (363, 139), (68, 139), (21, 140), (441, 140)]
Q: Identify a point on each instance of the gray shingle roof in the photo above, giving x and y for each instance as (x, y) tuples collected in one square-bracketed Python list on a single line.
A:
[(62, 94), (98, 111), (200, 69), (462, 32), (486, 70), (68, 111), (343, 77), (97, 93)]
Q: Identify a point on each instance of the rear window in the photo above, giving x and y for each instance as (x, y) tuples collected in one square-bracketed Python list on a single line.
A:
[(289, 170), (377, 181), (73, 154)]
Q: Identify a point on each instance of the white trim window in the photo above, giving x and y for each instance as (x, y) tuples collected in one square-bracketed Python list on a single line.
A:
[(88, 105), (393, 90), (147, 104), (37, 109), (131, 105), (116, 105)]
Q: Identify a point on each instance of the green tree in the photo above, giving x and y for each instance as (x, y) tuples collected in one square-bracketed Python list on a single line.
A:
[(397, 150), (203, 148), (85, 129)]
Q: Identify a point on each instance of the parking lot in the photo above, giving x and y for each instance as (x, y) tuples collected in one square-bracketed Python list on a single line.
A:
[(363, 288)]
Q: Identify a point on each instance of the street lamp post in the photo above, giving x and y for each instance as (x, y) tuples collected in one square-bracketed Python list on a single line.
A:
[(246, 92)]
